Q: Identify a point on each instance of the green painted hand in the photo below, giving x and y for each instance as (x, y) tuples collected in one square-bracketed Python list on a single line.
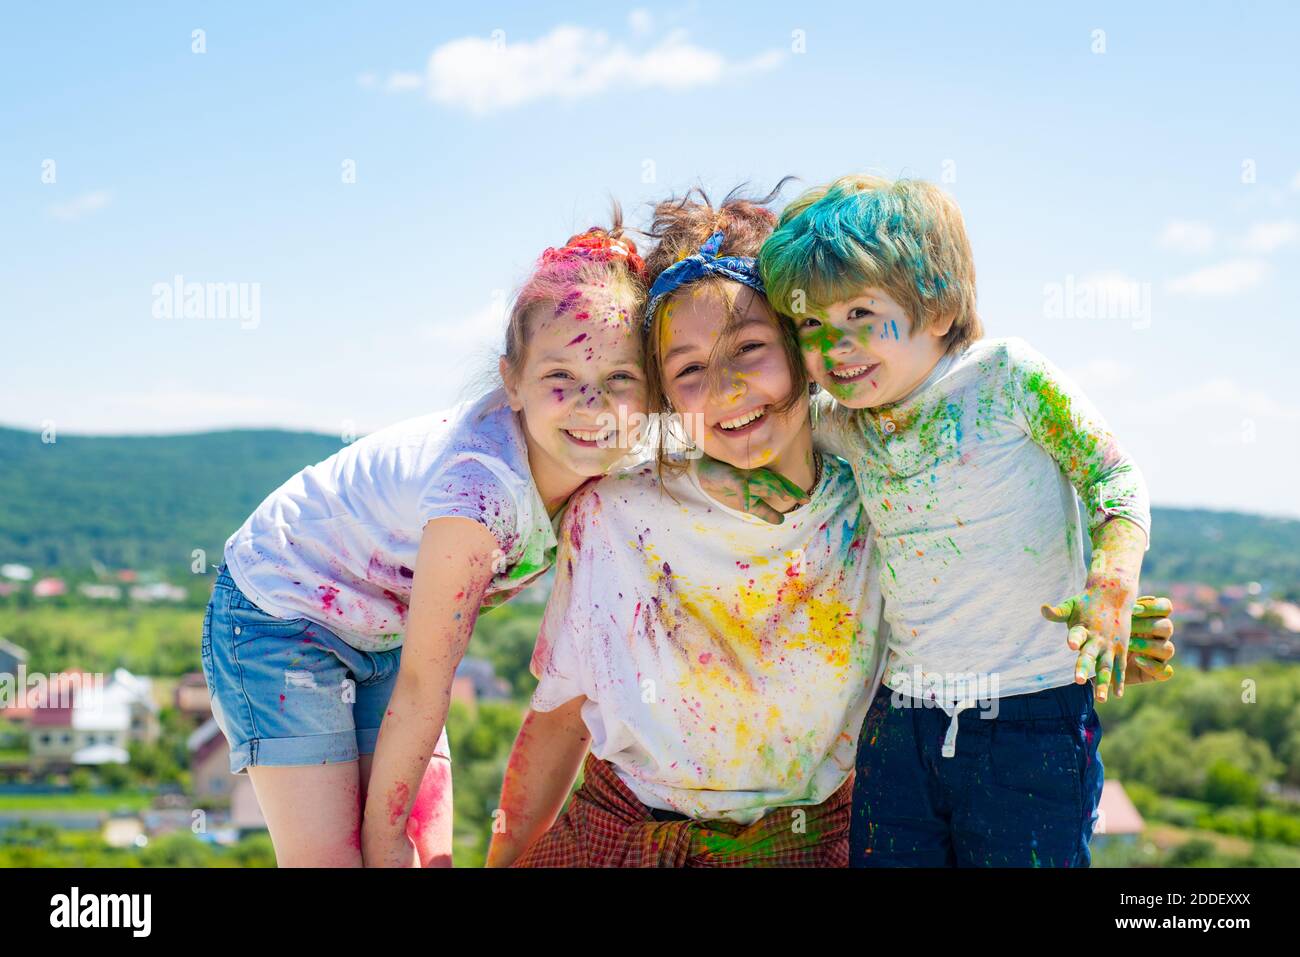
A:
[(760, 492), (1148, 650)]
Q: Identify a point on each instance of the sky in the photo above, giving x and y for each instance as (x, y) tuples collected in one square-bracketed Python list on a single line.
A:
[(372, 181)]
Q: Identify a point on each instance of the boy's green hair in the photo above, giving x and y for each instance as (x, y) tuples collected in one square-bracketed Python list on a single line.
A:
[(904, 236)]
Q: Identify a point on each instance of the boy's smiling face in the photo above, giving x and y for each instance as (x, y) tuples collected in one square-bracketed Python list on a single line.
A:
[(864, 350)]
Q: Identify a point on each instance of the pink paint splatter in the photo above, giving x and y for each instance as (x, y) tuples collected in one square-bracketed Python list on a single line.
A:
[(328, 594), (397, 802), (398, 604)]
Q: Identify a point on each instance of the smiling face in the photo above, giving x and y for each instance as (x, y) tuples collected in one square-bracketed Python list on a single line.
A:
[(580, 389), (863, 351), (729, 389)]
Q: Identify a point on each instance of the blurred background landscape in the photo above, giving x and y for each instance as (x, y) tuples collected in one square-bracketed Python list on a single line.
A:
[(113, 580)]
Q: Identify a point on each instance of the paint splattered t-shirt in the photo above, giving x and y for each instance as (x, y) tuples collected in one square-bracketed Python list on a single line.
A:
[(727, 663), (970, 483), (337, 543)]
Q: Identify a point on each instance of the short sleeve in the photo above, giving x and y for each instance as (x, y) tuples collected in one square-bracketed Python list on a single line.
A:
[(469, 487), (557, 657)]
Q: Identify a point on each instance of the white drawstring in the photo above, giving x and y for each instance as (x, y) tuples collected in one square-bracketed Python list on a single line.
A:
[(950, 739)]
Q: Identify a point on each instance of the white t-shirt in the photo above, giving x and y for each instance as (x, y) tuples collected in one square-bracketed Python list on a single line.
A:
[(336, 543), (970, 483), (727, 663)]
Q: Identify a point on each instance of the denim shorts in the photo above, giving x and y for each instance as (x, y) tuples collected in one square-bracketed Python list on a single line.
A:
[(1020, 790), (288, 691)]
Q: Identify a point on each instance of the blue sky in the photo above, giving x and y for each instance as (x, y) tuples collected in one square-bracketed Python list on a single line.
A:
[(1094, 149)]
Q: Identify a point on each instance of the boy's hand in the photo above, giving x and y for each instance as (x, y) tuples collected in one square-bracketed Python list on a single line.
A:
[(1100, 618), (1148, 648), (760, 492)]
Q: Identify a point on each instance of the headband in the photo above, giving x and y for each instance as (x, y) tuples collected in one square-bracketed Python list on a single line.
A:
[(706, 262)]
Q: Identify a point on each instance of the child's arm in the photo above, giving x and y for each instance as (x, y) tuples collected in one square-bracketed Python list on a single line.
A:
[(1061, 421), (452, 571), (543, 763), (1103, 628)]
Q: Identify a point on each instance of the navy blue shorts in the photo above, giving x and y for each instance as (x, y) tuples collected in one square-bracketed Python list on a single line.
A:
[(1021, 790)]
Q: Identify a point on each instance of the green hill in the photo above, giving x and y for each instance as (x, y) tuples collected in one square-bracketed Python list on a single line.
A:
[(138, 501), (147, 502)]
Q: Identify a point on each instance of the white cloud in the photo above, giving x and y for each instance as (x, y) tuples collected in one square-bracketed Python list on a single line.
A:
[(640, 20), (1266, 237), (398, 82), (401, 82), (483, 75), (1227, 395), (1187, 237), (82, 205), (1100, 374), (1222, 279)]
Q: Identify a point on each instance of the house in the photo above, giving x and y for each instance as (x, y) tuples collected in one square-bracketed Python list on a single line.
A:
[(212, 781), (157, 591), (210, 777), (11, 656), (1117, 817), (462, 690), (96, 592), (484, 678), (191, 697), (50, 588), (138, 694), (85, 720), (16, 572), (124, 831), (245, 812)]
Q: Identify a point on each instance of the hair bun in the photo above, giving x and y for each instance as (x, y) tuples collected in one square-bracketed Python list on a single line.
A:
[(598, 245)]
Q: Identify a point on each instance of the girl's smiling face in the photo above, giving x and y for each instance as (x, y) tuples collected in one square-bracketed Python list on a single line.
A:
[(581, 389), (727, 389), (864, 351)]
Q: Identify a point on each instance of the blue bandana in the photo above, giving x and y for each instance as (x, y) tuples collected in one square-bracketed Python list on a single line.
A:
[(706, 262)]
